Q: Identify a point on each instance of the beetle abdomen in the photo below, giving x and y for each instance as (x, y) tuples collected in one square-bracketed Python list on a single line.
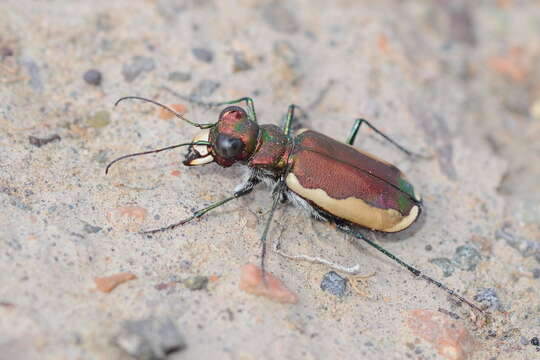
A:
[(350, 184)]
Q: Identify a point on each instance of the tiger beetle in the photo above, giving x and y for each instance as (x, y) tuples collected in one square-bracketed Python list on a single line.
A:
[(331, 180)]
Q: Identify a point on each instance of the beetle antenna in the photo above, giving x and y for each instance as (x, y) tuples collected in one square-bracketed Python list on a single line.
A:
[(155, 151), (178, 115), (413, 270)]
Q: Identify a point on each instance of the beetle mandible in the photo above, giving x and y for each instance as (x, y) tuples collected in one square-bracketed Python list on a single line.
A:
[(331, 180)]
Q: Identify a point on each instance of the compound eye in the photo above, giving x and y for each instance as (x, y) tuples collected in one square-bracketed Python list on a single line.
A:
[(229, 147)]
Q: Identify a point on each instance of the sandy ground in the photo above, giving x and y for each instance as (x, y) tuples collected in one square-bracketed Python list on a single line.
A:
[(445, 78)]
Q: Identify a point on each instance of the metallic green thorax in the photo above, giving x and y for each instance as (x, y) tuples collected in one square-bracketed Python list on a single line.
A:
[(272, 150)]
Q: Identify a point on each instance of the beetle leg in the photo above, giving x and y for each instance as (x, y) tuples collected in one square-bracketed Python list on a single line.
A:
[(242, 190), (194, 100), (276, 194), (288, 120), (356, 127)]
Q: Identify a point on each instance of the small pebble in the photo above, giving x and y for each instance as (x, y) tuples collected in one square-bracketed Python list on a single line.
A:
[(536, 273), (523, 340), (99, 119), (335, 284), (466, 258), (92, 77), (280, 18), (90, 229), (240, 63), (164, 286), (32, 68), (179, 76), (5, 52), (150, 339), (203, 55), (196, 282), (108, 283), (185, 264), (445, 264), (39, 142), (450, 337), (535, 341), (251, 281), (138, 65), (490, 297)]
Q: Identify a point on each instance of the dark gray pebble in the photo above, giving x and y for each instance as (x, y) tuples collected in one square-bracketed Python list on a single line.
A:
[(90, 229), (150, 339), (203, 55), (490, 297), (138, 65), (93, 77), (39, 142), (335, 284)]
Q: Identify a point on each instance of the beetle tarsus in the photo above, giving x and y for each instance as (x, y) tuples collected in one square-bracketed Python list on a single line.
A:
[(170, 227)]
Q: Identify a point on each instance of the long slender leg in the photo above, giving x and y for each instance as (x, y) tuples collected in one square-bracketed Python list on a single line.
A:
[(194, 100), (413, 270), (286, 126), (356, 127), (244, 189), (277, 197)]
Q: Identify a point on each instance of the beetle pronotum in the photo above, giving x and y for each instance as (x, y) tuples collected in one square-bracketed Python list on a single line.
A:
[(355, 190)]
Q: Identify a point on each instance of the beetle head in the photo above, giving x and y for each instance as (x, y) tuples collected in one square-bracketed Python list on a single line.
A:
[(232, 139)]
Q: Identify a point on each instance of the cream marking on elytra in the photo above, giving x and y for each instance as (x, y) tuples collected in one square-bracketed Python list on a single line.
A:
[(406, 221), (355, 210)]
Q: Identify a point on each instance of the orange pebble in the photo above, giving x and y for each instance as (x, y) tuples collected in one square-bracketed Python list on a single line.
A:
[(251, 281), (451, 339), (108, 283)]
